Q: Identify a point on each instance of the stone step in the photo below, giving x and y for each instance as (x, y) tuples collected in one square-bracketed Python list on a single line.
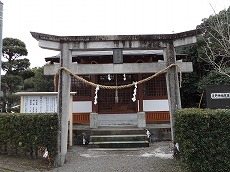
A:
[(123, 137), (116, 149), (117, 127), (111, 138), (159, 132), (119, 144), (118, 131)]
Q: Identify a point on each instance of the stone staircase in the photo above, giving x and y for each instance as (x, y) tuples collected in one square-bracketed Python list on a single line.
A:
[(118, 137)]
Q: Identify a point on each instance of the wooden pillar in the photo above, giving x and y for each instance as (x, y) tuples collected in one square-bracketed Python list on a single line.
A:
[(63, 105), (172, 84), (140, 94)]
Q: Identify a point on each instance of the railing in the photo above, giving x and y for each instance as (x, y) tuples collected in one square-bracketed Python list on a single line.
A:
[(161, 116), (81, 118)]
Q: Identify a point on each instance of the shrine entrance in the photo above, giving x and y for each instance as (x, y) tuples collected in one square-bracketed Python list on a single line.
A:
[(116, 101), (64, 64)]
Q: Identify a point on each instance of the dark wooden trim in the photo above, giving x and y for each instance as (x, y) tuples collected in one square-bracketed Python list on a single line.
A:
[(157, 116), (75, 99), (81, 118), (155, 98)]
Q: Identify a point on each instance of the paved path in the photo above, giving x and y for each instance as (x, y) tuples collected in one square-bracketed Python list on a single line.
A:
[(156, 158)]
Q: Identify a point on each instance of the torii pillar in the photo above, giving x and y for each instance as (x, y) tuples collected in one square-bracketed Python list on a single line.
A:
[(63, 106), (68, 44), (172, 82)]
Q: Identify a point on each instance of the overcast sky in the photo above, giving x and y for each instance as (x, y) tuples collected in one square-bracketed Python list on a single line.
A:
[(100, 17)]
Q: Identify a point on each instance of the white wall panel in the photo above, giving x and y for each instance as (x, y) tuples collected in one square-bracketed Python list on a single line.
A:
[(155, 105), (82, 106)]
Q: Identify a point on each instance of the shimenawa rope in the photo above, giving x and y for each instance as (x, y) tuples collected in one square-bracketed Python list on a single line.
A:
[(116, 87)]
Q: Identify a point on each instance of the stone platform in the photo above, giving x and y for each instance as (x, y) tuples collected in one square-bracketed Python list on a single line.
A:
[(159, 132)]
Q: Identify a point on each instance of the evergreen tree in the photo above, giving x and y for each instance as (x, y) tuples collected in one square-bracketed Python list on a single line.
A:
[(40, 82), (15, 70)]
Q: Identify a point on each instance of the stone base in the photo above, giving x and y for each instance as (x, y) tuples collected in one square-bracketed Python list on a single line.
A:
[(132, 119)]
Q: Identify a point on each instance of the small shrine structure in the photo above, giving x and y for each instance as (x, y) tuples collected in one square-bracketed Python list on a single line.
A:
[(116, 60)]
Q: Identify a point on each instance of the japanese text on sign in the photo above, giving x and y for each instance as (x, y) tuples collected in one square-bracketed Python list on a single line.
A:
[(220, 95)]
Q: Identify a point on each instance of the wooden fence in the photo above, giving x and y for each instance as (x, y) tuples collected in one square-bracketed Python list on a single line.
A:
[(156, 116)]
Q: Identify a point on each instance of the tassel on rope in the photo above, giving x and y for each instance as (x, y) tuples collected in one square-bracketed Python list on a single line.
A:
[(95, 98), (124, 77), (109, 77), (134, 92)]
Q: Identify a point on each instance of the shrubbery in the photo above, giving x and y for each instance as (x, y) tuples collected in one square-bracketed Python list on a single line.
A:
[(26, 133), (204, 139)]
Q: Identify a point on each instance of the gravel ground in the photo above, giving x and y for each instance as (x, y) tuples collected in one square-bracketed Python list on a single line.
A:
[(157, 158)]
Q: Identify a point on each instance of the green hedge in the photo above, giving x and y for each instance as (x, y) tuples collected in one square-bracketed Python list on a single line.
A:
[(204, 139), (26, 133)]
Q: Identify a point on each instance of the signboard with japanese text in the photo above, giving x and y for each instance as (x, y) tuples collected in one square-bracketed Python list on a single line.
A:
[(218, 96), (40, 104)]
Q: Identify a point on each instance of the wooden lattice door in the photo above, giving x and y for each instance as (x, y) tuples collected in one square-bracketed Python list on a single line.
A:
[(116, 101)]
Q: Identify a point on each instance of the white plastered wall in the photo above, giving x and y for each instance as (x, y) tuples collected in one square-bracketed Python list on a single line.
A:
[(82, 107), (155, 105), (148, 105)]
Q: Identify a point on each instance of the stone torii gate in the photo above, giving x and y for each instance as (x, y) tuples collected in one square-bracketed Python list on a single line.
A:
[(67, 45)]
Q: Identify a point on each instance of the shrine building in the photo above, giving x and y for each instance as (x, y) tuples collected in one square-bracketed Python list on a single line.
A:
[(151, 98), (116, 60)]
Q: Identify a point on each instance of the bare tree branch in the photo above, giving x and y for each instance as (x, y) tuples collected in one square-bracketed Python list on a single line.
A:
[(217, 42)]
